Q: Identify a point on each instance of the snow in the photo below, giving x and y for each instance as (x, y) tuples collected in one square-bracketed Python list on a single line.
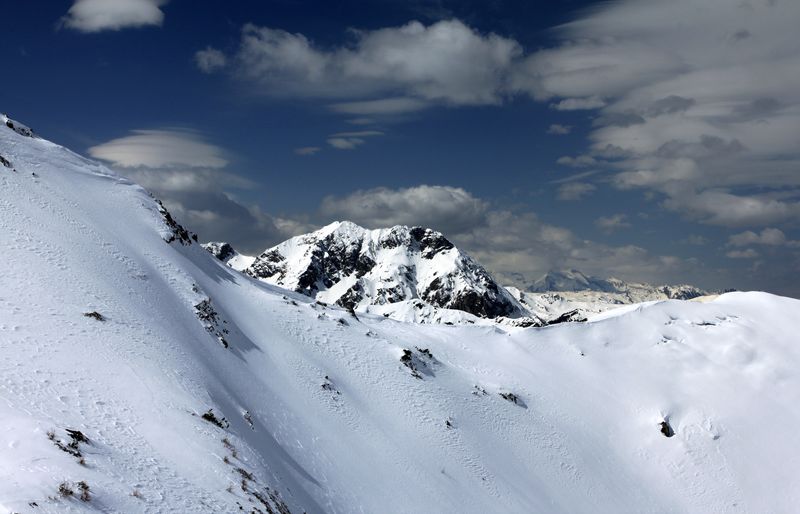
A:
[(583, 436)]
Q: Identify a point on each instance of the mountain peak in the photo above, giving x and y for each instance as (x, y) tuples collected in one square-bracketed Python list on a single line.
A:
[(352, 266)]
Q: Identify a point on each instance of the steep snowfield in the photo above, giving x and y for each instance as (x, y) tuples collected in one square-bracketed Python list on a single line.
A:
[(410, 417)]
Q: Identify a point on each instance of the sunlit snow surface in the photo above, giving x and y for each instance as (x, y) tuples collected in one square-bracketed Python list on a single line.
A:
[(436, 436)]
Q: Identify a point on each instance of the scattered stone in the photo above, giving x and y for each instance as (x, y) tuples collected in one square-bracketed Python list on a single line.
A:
[(666, 428), (95, 315), (212, 418), (211, 321)]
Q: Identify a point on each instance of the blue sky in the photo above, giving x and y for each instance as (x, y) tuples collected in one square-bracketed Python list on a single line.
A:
[(653, 141)]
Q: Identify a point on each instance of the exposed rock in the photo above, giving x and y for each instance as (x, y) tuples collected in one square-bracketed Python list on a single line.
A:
[(177, 232)]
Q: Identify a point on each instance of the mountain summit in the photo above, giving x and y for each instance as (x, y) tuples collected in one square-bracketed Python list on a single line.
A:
[(355, 267)]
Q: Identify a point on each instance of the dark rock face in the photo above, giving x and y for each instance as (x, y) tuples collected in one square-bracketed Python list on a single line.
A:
[(568, 317), (666, 428), (682, 292), (349, 252), (484, 303), (430, 242), (178, 233), (268, 265), (19, 128), (5, 162), (222, 251)]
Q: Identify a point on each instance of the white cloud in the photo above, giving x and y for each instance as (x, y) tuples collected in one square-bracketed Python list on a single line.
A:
[(449, 208), (307, 150), (381, 106), (581, 161), (210, 60), (351, 140), (742, 254), (99, 15), (446, 63), (160, 148), (612, 223), (559, 130), (345, 143), (578, 104), (570, 191), (767, 237)]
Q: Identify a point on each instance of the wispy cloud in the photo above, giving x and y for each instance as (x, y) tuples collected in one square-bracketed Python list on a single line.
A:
[(100, 15), (612, 223), (210, 60), (307, 150), (742, 254), (572, 191), (559, 130), (351, 140)]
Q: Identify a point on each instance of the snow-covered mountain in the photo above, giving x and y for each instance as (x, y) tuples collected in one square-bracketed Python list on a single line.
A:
[(570, 280), (560, 292), (141, 374), (350, 266), (575, 281)]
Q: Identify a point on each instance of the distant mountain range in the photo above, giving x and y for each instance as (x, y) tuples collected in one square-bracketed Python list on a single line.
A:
[(576, 281)]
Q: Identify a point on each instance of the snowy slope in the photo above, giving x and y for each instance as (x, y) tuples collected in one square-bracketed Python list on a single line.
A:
[(353, 267), (326, 412)]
